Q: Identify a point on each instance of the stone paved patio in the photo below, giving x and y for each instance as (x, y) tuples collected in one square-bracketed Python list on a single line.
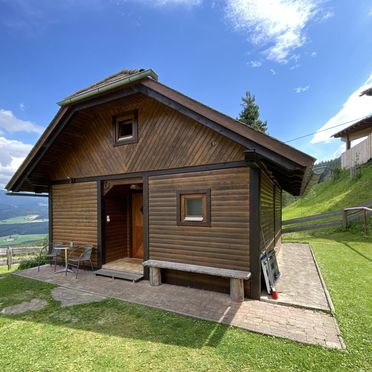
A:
[(300, 283), (303, 325)]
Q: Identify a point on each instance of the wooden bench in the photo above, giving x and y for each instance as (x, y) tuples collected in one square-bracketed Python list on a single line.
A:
[(236, 276)]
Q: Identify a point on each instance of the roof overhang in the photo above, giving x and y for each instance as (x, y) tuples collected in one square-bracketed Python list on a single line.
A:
[(290, 167), (357, 130)]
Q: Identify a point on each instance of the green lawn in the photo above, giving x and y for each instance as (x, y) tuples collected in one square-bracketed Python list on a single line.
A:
[(28, 239), (331, 196), (114, 335)]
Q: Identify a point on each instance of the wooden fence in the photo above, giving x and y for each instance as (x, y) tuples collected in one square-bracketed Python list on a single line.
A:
[(14, 255), (320, 221)]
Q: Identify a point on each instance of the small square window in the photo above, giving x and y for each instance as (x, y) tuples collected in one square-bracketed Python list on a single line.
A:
[(125, 128), (193, 208)]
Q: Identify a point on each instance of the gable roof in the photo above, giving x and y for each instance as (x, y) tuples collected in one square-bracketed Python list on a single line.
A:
[(356, 127), (289, 166)]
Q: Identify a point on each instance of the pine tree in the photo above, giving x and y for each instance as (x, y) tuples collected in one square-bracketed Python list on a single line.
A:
[(250, 114)]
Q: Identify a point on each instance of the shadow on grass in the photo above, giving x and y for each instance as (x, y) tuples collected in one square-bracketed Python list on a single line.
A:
[(126, 320), (355, 251)]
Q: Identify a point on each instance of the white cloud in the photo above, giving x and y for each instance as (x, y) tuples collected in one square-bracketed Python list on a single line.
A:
[(12, 153), (22, 106), (273, 72), (277, 25), (339, 151), (313, 54), (255, 63), (301, 89), (353, 109), (12, 124)]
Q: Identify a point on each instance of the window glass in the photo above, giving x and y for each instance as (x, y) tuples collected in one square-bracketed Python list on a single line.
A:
[(194, 207), (125, 128)]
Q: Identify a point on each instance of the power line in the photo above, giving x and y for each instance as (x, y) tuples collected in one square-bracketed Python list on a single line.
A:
[(323, 130)]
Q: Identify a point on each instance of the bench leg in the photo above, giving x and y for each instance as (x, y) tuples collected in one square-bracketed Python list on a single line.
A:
[(155, 276), (237, 290)]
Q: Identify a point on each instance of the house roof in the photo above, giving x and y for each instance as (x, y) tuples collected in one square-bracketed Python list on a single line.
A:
[(367, 92), (356, 127), (111, 82), (289, 166)]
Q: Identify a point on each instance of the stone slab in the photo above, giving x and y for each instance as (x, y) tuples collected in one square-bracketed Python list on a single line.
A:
[(33, 305), (71, 297)]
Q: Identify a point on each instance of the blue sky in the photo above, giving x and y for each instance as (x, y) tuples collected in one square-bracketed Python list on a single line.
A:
[(305, 60)]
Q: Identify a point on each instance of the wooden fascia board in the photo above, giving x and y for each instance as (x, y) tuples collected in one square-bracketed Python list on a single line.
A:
[(38, 146)]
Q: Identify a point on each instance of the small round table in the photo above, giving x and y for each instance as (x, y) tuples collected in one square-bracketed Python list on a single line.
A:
[(65, 248)]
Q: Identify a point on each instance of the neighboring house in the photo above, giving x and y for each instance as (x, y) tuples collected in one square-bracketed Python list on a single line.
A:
[(361, 153), (145, 173)]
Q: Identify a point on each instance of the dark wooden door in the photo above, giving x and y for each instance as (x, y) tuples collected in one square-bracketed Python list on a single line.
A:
[(137, 225)]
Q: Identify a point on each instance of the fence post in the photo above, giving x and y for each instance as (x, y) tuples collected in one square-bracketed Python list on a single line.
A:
[(9, 258), (365, 221)]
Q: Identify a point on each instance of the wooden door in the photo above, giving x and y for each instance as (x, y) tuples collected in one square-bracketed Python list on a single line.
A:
[(137, 225)]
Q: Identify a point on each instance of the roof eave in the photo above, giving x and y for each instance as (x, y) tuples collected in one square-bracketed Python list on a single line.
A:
[(150, 74)]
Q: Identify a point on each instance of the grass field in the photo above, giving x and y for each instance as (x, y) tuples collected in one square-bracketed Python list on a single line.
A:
[(114, 335), (332, 196), (31, 239), (23, 219)]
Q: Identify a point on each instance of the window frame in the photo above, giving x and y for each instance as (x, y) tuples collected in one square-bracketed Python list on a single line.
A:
[(206, 208), (125, 140)]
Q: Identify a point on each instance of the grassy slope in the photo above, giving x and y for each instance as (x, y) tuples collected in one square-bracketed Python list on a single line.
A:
[(333, 195), (114, 335)]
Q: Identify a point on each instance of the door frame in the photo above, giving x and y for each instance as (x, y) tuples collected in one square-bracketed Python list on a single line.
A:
[(101, 219), (130, 225)]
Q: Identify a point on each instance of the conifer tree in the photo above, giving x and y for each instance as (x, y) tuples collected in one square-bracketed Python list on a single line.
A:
[(250, 113)]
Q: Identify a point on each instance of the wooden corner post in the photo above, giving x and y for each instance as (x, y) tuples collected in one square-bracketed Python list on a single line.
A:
[(50, 218), (146, 254), (100, 226), (254, 231)]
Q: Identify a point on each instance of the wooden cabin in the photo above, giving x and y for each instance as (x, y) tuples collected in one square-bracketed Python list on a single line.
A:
[(162, 185), (361, 152)]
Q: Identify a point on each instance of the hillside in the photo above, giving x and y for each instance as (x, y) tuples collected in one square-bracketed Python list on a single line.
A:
[(332, 196), (22, 219), (15, 206)]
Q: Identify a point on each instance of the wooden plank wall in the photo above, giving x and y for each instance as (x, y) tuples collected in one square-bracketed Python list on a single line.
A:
[(116, 231), (278, 216), (166, 139), (267, 217), (225, 243), (75, 214)]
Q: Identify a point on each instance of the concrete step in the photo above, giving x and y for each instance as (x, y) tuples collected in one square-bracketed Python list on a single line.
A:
[(114, 274)]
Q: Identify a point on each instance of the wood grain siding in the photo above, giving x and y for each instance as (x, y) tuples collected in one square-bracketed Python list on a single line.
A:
[(74, 211), (166, 139), (278, 215), (267, 213), (225, 243), (117, 235)]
